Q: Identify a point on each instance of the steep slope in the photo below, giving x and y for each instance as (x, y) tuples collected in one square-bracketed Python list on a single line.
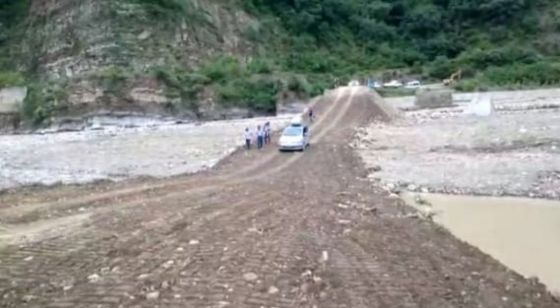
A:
[(111, 55)]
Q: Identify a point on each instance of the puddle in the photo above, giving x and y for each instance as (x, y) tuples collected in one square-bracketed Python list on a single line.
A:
[(523, 234)]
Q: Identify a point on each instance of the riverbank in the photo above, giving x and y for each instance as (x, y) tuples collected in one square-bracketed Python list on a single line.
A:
[(513, 151), (119, 151)]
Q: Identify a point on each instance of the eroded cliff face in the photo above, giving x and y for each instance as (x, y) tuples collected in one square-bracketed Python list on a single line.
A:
[(100, 55)]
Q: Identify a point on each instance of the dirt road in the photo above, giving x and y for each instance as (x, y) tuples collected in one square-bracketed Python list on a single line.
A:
[(262, 229)]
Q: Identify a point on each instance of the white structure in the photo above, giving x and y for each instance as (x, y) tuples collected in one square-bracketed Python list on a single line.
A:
[(481, 105), (11, 99)]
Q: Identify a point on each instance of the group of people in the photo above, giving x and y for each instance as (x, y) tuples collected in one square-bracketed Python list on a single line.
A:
[(262, 136)]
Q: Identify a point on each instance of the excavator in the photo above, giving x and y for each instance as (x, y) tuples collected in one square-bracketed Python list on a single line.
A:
[(453, 78)]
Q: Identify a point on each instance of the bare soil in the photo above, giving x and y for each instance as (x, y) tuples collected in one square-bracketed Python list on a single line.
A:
[(261, 229)]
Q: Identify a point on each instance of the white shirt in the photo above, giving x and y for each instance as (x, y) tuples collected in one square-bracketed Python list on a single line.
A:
[(248, 135)]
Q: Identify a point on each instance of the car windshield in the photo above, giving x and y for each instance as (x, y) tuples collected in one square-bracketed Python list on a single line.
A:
[(292, 131)]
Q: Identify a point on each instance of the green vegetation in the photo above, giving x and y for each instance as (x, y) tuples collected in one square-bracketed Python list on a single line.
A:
[(41, 101), (254, 85), (11, 79), (435, 37), (12, 13)]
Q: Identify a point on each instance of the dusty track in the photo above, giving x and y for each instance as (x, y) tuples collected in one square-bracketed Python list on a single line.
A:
[(277, 216)]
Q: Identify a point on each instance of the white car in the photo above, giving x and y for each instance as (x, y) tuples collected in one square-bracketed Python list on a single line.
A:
[(294, 138), (393, 84), (414, 84), (354, 83)]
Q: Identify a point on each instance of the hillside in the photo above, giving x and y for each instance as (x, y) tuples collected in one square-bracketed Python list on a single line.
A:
[(217, 58)]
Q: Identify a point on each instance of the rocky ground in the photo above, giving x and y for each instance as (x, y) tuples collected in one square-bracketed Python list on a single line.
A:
[(515, 151), (261, 229), (120, 150)]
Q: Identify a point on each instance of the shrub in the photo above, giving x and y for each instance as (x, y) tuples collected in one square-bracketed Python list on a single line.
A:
[(259, 95), (501, 56), (467, 85), (113, 79), (40, 102), (11, 79), (542, 73), (441, 68), (221, 69), (260, 66)]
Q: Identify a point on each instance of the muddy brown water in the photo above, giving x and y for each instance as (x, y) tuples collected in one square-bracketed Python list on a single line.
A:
[(523, 234)]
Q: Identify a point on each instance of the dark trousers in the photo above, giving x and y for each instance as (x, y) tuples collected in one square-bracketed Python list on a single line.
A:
[(248, 144), (260, 142)]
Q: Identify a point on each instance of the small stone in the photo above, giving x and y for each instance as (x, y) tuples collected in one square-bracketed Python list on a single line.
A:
[(67, 288), (425, 190), (177, 296), (504, 298), (180, 249), (307, 273), (93, 278), (165, 285), (273, 290), (152, 295), (411, 187), (28, 259), (344, 222), (194, 242), (144, 35), (342, 206), (143, 276), (393, 196), (250, 276), (28, 298), (325, 256)]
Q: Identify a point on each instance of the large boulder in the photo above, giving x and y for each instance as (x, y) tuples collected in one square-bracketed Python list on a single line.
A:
[(430, 98)]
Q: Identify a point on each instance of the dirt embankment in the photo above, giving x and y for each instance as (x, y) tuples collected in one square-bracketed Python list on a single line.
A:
[(261, 229)]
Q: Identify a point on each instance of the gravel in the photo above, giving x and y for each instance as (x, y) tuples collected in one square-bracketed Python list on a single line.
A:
[(118, 153), (514, 151)]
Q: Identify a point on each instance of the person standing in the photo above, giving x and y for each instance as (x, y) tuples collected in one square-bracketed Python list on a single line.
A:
[(310, 114), (248, 138), (260, 137), (267, 133)]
